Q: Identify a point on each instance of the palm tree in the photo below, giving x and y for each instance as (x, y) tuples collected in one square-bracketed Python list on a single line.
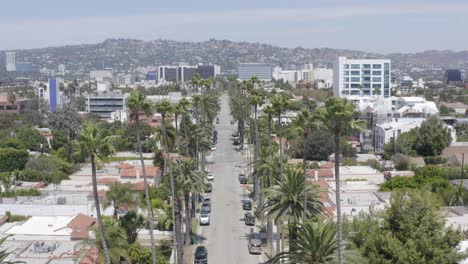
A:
[(138, 104), (165, 108), (192, 182), (96, 146), (196, 81), (256, 100), (285, 200), (304, 122), (118, 195), (117, 239), (4, 254), (338, 117), (280, 104), (316, 243)]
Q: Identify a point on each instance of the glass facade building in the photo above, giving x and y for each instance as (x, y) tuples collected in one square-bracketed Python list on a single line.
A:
[(262, 71), (361, 77)]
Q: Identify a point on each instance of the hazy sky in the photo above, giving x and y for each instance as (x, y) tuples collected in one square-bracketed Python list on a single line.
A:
[(370, 25)]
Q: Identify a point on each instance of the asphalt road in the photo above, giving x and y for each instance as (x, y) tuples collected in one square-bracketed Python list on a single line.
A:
[(226, 237)]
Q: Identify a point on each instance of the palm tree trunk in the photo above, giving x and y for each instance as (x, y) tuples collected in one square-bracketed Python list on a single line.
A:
[(256, 146), (338, 197), (194, 204), (188, 219), (292, 235), (175, 207), (178, 236), (304, 167), (147, 198), (269, 221), (98, 211), (280, 145)]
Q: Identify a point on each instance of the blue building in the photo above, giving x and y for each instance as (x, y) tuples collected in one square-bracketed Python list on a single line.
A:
[(53, 95), (151, 76)]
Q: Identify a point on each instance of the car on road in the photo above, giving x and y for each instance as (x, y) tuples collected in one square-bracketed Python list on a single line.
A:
[(247, 205), (255, 246), (249, 219), (201, 255), (204, 219), (210, 176), (209, 187), (206, 198), (205, 210), (217, 120), (243, 180), (236, 142), (235, 133), (213, 147)]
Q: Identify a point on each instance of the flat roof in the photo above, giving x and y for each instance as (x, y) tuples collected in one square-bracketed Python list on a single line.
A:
[(43, 225)]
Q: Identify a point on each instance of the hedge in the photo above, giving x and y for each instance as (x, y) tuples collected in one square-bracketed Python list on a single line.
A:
[(13, 159)]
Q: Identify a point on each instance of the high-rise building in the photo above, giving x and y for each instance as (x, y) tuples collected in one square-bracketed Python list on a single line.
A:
[(101, 76), (61, 69), (186, 73), (10, 62), (54, 95), (207, 71), (103, 104), (167, 74), (262, 71), (362, 77), (453, 75)]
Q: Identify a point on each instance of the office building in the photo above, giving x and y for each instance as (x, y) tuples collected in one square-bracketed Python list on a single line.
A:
[(53, 95), (186, 73), (101, 76), (453, 75), (10, 62), (152, 76), (260, 70), (103, 104), (208, 71), (363, 77), (167, 73), (61, 69)]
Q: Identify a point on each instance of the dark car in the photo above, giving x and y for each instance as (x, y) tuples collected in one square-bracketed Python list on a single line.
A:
[(236, 142), (207, 206), (243, 180), (217, 120), (246, 204), (235, 133), (201, 255), (205, 210), (209, 187), (249, 219)]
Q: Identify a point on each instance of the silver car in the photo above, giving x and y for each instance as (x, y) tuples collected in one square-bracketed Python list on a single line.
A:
[(255, 246)]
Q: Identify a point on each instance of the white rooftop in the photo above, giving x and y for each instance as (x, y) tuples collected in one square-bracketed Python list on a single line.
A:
[(43, 225)]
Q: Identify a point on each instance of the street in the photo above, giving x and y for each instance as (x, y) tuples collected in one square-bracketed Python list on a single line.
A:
[(227, 236)]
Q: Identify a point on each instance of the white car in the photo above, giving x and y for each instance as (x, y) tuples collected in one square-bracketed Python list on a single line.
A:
[(213, 148), (210, 176), (204, 219)]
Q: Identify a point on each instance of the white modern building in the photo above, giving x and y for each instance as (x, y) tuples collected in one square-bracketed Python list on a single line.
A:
[(101, 76), (364, 77), (386, 132), (10, 62), (262, 71), (308, 74)]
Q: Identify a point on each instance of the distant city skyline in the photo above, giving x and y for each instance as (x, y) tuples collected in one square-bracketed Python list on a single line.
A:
[(386, 27)]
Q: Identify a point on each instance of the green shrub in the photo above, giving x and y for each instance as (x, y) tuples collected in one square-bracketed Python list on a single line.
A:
[(13, 159), (21, 192), (16, 218), (401, 162), (434, 160), (12, 143)]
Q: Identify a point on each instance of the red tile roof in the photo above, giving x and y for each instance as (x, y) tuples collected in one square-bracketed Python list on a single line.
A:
[(101, 194), (39, 185), (124, 165), (327, 165), (138, 187), (80, 226), (91, 256), (321, 173), (106, 180), (151, 171)]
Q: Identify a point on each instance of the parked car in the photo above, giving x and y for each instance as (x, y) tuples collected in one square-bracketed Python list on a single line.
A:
[(209, 187), (210, 176), (204, 219), (247, 205), (206, 198), (249, 219), (205, 210), (255, 246), (201, 255), (213, 147), (236, 142), (243, 180), (235, 133), (217, 120)]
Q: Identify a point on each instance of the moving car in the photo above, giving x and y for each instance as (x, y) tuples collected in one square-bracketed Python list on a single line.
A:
[(249, 219), (247, 205), (209, 187), (255, 246), (204, 219), (201, 255)]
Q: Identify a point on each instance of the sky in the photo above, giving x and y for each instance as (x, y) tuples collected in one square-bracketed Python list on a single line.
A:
[(383, 26)]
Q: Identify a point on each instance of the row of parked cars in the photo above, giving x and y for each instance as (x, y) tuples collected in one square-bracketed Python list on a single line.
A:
[(255, 244), (201, 253)]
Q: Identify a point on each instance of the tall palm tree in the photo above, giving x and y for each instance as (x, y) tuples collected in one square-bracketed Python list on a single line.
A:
[(316, 243), (256, 100), (270, 111), (118, 195), (280, 104), (137, 104), (285, 201), (338, 117), (4, 254), (305, 121), (96, 146), (117, 241), (196, 82), (192, 182), (165, 108)]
